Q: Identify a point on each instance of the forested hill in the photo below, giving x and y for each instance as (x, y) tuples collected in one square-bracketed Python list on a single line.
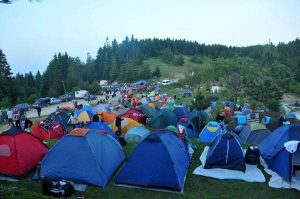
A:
[(129, 61)]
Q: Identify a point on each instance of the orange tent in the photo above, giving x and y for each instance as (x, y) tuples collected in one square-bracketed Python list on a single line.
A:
[(107, 117), (126, 124), (66, 108), (152, 105)]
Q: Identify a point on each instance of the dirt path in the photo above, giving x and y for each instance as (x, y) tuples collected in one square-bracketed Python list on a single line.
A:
[(31, 114)]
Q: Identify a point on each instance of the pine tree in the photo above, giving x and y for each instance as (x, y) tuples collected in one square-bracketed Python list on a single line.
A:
[(5, 76)]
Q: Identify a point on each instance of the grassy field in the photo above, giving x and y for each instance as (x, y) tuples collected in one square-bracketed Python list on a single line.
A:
[(195, 187)]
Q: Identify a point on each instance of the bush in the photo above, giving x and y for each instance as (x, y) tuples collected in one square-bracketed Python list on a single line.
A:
[(274, 105), (200, 102)]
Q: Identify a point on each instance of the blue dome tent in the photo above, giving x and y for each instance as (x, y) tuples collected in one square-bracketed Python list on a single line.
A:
[(226, 152), (276, 156), (83, 156), (159, 162), (209, 132)]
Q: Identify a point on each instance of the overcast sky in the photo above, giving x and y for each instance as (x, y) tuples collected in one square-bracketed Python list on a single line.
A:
[(31, 33)]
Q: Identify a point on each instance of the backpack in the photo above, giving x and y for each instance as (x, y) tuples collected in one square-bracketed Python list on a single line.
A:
[(252, 155), (57, 188)]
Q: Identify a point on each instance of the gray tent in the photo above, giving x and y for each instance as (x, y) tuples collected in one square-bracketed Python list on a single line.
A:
[(254, 133)]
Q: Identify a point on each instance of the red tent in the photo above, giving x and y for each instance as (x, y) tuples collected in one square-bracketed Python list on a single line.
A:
[(48, 129), (20, 152), (134, 114)]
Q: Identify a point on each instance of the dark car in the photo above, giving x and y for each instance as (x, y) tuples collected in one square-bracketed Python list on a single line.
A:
[(42, 102), (66, 97), (22, 107), (93, 97)]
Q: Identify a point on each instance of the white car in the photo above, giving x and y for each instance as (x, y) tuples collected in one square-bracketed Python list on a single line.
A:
[(54, 100), (166, 82)]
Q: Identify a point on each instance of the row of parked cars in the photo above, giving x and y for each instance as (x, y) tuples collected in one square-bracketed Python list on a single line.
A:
[(43, 102)]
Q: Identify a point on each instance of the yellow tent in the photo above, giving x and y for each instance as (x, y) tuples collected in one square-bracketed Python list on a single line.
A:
[(126, 124), (84, 117)]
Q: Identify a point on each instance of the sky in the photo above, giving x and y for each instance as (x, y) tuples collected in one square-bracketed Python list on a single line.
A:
[(31, 33)]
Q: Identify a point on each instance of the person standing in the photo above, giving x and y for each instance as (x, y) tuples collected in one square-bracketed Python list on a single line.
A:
[(23, 123), (10, 116), (73, 120), (39, 110)]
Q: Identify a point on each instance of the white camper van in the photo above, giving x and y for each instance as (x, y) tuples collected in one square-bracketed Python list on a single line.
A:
[(80, 94)]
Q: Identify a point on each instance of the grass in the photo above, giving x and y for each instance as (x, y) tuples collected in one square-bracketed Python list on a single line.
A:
[(195, 187)]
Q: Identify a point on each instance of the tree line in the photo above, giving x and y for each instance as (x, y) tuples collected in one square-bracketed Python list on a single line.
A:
[(125, 62)]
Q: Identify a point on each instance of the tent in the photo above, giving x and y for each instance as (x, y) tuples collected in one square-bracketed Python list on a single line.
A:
[(198, 118), (60, 116), (101, 107), (126, 124), (136, 134), (66, 109), (20, 152), (139, 83), (181, 112), (103, 127), (48, 129), (160, 161), (134, 114), (172, 128), (107, 116), (226, 152), (190, 128), (83, 156), (168, 105), (82, 108), (253, 133), (163, 119), (85, 116), (147, 110), (275, 154), (209, 132)]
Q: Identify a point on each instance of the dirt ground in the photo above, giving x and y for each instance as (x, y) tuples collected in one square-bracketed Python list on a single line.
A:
[(50, 109)]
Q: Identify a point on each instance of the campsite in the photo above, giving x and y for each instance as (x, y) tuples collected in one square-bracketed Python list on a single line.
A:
[(149, 99)]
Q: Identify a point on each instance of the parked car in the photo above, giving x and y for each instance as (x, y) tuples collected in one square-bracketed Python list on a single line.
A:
[(42, 102), (54, 100), (166, 82), (93, 97), (66, 97), (22, 107)]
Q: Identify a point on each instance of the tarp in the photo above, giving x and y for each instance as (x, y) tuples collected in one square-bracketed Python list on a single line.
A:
[(83, 156), (160, 161)]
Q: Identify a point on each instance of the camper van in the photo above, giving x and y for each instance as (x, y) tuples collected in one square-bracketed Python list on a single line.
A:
[(80, 94)]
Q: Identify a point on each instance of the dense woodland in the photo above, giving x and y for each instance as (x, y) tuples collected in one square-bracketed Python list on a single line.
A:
[(262, 72)]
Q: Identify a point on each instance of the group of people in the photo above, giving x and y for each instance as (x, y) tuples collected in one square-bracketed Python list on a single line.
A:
[(22, 122)]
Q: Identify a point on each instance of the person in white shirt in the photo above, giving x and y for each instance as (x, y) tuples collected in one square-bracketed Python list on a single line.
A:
[(10, 117)]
